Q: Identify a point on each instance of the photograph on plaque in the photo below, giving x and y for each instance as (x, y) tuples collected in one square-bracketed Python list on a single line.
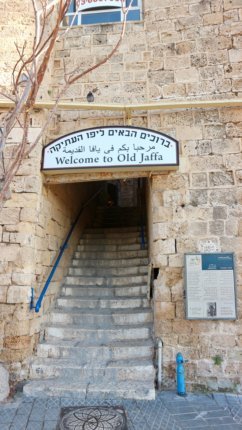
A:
[(210, 286)]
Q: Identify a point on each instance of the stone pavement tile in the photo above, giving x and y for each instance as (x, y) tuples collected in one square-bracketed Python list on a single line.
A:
[(35, 425), (186, 416), (24, 409), (192, 424), (209, 407), (220, 413), (7, 416), (220, 421), (52, 414), (233, 398), (50, 425), (37, 415), (227, 427), (236, 412), (220, 399), (18, 426), (5, 426), (20, 420), (205, 427), (176, 410), (53, 403)]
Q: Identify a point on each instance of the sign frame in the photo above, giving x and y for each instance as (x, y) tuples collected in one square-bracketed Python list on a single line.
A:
[(112, 134), (210, 302)]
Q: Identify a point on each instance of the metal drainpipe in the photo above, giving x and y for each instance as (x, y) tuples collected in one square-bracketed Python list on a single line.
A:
[(159, 364)]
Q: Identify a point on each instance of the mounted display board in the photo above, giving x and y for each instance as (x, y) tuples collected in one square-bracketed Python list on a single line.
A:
[(210, 286), (111, 147)]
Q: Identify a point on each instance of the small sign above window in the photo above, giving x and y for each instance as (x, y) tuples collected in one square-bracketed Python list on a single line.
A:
[(95, 4)]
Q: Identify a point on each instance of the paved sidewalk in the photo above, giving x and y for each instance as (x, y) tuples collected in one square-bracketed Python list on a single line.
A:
[(167, 412)]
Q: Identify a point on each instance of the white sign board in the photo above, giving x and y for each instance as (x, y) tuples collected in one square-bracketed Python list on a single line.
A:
[(94, 4), (210, 286), (111, 147)]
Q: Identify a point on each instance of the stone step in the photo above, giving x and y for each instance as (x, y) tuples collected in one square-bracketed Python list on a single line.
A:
[(102, 319), (97, 336), (123, 370), (96, 255), (111, 281), (98, 247), (102, 390), (102, 292), (89, 353), (107, 271), (93, 240), (121, 234), (111, 263), (112, 230), (110, 303)]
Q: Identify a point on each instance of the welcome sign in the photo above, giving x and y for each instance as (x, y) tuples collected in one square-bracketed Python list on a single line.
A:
[(111, 147), (93, 4)]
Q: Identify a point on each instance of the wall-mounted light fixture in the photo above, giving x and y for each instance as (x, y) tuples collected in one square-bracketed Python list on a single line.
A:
[(90, 97)]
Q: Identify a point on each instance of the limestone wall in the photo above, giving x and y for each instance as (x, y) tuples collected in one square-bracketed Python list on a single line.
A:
[(33, 224), (187, 48), (198, 208), (182, 49)]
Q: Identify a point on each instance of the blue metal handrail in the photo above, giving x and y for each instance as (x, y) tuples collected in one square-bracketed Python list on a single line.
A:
[(62, 249)]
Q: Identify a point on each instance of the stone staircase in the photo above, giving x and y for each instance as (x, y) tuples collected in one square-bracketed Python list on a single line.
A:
[(98, 342)]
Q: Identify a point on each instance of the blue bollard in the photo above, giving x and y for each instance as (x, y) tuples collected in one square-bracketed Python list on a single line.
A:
[(180, 375)]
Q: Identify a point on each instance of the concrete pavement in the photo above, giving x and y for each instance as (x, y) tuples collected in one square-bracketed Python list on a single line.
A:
[(167, 412)]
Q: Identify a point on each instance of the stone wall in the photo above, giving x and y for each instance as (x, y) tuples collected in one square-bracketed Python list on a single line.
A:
[(187, 48), (33, 224), (198, 209)]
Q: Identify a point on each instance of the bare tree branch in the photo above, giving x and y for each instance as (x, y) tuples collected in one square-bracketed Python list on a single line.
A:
[(48, 16)]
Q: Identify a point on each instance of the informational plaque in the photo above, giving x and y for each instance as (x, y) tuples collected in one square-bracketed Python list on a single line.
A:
[(210, 286)]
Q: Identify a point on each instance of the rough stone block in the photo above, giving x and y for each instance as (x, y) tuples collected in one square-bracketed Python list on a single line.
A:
[(176, 260), (213, 18), (10, 253), (220, 212), (217, 179), (199, 180), (198, 228), (3, 291), (159, 231), (161, 292), (198, 197), (187, 75), (189, 133), (164, 311), (235, 55), (223, 197), (17, 342), (9, 216), (216, 227), (13, 329), (19, 294), (208, 245), (166, 246)]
